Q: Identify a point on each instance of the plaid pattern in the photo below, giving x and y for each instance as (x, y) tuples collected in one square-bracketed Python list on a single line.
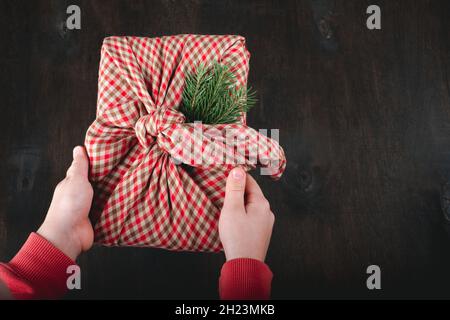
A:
[(158, 181)]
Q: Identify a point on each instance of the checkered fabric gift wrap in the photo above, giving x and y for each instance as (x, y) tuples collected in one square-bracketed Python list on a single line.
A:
[(158, 181)]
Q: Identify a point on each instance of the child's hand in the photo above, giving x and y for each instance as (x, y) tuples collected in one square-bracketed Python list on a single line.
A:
[(245, 224), (67, 225)]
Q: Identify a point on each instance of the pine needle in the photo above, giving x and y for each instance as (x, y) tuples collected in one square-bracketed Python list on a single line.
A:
[(211, 96)]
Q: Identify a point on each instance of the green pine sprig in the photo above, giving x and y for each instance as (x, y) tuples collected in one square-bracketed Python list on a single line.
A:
[(211, 96)]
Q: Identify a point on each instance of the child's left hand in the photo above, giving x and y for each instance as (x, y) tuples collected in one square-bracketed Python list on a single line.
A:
[(67, 225)]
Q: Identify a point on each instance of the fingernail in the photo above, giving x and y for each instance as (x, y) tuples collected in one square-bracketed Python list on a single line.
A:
[(76, 151), (237, 174)]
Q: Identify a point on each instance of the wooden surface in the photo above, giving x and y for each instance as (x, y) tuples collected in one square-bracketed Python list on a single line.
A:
[(364, 117)]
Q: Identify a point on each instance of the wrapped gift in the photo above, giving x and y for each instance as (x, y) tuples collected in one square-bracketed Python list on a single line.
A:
[(158, 180)]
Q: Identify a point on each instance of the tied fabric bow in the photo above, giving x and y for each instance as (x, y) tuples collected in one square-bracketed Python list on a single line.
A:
[(159, 181)]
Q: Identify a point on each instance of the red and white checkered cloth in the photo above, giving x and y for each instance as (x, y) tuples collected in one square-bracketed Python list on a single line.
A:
[(159, 181)]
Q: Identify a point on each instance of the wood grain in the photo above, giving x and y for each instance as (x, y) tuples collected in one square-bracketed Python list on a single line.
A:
[(364, 117)]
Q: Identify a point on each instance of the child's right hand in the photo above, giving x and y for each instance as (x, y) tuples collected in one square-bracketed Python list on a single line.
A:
[(246, 222)]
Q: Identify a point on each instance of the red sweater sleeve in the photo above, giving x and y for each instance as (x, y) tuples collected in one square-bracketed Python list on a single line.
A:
[(38, 271), (245, 279)]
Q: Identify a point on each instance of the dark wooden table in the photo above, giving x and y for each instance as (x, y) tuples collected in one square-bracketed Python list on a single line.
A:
[(364, 117)]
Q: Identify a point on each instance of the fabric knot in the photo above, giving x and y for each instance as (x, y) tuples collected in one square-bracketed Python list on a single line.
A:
[(148, 127)]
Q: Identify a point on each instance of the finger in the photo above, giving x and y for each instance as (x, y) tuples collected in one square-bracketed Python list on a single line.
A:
[(253, 192), (235, 189), (80, 163)]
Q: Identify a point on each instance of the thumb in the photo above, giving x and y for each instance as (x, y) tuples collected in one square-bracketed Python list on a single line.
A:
[(235, 189), (80, 163)]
